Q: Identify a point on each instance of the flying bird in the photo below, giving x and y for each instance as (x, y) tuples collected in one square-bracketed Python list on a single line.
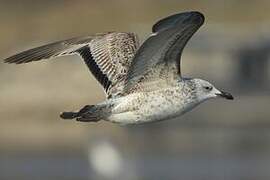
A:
[(142, 83)]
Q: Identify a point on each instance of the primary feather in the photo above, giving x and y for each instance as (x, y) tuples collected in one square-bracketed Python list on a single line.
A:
[(108, 56)]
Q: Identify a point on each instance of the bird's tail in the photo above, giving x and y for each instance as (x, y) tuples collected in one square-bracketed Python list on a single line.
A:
[(89, 113)]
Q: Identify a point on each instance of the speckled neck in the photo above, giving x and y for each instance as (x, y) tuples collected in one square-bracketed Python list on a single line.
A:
[(188, 88)]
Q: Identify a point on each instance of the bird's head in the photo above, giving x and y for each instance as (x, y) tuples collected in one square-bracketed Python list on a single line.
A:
[(205, 90)]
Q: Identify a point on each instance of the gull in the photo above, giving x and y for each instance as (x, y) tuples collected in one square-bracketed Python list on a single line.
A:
[(142, 83)]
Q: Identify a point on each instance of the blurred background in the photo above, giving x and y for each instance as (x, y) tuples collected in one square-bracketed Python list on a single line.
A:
[(217, 140)]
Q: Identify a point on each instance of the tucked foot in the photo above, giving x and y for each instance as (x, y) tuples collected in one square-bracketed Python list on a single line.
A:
[(88, 113), (87, 119)]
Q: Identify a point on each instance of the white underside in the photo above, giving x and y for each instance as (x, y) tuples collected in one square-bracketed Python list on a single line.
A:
[(152, 108)]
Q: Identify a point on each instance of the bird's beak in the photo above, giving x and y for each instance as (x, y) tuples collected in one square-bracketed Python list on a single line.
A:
[(225, 95)]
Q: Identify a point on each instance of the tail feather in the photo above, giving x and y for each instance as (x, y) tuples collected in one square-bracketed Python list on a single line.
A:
[(89, 113), (69, 115)]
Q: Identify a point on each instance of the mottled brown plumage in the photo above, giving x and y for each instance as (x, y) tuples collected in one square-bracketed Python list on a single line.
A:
[(143, 84), (107, 55)]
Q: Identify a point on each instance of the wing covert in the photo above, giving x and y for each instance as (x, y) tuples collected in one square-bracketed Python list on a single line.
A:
[(108, 56), (164, 47)]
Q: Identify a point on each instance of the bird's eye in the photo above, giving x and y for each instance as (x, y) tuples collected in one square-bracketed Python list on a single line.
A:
[(209, 88)]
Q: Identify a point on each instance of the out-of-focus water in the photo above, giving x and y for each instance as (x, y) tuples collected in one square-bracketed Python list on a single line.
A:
[(190, 168), (208, 155), (43, 166)]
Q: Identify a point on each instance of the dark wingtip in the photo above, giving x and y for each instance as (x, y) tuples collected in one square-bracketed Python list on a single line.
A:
[(195, 17), (8, 60), (198, 16), (16, 59), (5, 61)]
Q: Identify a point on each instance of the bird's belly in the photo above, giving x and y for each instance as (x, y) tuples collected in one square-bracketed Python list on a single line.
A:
[(147, 114), (164, 109), (150, 108), (125, 118)]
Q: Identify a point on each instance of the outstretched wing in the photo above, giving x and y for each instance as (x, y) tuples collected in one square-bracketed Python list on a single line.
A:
[(108, 56), (160, 53)]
